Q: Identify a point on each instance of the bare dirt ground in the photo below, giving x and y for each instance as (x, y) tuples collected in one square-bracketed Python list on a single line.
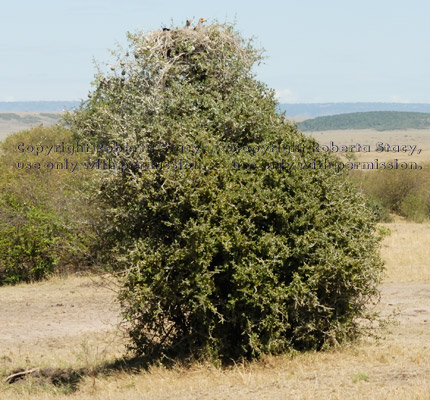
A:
[(46, 315), (71, 322)]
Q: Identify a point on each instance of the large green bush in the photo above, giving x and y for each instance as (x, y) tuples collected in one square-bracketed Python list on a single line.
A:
[(216, 260)]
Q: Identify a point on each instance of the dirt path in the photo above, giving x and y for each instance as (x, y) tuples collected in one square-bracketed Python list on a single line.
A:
[(49, 314), (412, 301)]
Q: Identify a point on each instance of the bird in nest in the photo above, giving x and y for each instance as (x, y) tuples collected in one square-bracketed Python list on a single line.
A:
[(200, 24)]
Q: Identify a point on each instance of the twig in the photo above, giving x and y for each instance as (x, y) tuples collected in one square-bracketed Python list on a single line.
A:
[(12, 378)]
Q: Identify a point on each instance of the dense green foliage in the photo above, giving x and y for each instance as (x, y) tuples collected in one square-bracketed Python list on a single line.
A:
[(216, 260), (379, 120), (44, 224), (29, 242)]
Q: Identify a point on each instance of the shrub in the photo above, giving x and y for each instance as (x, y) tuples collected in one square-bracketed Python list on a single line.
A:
[(218, 261), (416, 206), (403, 192), (27, 246), (380, 211), (44, 222)]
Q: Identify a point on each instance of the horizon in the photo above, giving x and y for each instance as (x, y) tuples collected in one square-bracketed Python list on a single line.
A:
[(310, 110)]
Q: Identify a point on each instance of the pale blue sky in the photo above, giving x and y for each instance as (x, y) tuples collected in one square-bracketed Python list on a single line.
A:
[(317, 51)]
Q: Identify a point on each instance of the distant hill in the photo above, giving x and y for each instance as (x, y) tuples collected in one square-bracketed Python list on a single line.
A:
[(38, 106), (11, 122), (321, 109), (379, 120)]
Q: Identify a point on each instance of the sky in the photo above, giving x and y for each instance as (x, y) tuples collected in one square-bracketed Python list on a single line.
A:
[(316, 51)]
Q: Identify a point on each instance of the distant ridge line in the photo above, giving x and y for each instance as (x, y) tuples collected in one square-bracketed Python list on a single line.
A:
[(38, 106), (324, 109)]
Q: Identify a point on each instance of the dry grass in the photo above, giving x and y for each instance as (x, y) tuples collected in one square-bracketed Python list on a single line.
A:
[(406, 252), (368, 371), (395, 367)]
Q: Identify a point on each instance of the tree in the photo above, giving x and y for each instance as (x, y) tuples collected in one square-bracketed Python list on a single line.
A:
[(222, 249)]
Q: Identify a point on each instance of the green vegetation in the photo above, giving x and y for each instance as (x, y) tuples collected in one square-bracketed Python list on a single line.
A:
[(379, 120), (320, 109), (44, 224), (215, 261), (360, 376), (402, 192)]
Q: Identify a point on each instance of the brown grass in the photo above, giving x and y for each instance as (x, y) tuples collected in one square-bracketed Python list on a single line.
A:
[(407, 253)]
